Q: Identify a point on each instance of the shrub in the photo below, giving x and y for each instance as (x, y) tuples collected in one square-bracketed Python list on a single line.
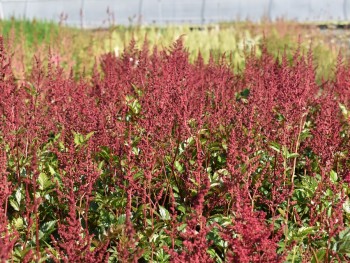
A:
[(158, 159)]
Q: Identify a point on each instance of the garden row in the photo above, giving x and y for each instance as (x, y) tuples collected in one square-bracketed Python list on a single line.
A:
[(156, 159)]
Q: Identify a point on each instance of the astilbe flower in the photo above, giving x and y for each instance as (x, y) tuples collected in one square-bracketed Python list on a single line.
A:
[(249, 237), (7, 240), (11, 102), (326, 212), (74, 244), (194, 245), (174, 107), (342, 82), (78, 175), (77, 171), (281, 95), (326, 141), (174, 139)]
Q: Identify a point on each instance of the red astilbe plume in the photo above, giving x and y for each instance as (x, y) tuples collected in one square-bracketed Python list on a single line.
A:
[(11, 102), (74, 244), (281, 94), (281, 97), (169, 97), (342, 82), (342, 94), (195, 243), (7, 240), (249, 237), (326, 141), (77, 172), (327, 212)]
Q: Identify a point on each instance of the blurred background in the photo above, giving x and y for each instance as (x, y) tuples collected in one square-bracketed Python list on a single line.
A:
[(103, 13), (74, 31)]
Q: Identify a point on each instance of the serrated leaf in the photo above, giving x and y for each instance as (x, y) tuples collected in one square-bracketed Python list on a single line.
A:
[(164, 213), (275, 146), (344, 247), (303, 231), (345, 233), (18, 223), (178, 166), (14, 204), (181, 227), (89, 135), (346, 206), (46, 229), (181, 209), (44, 181), (318, 256), (18, 196), (52, 171), (333, 176), (292, 155), (121, 219)]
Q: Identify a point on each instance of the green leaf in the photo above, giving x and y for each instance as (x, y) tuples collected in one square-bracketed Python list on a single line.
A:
[(164, 213), (181, 209), (318, 256), (214, 255), (342, 246), (121, 219), (136, 151), (275, 146), (304, 231), (346, 206), (136, 107), (333, 176), (282, 212), (175, 189), (89, 135), (133, 104), (18, 196), (44, 181), (18, 223), (51, 170), (224, 145), (305, 134), (181, 227), (344, 111), (178, 166), (14, 204), (292, 155), (19, 253), (78, 138), (46, 229)]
